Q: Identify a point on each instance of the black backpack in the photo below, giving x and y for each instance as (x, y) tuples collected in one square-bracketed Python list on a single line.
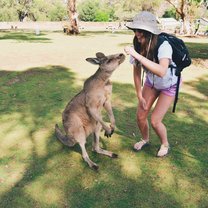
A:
[(180, 57)]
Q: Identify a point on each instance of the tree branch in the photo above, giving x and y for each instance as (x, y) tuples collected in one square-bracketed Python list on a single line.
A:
[(177, 10)]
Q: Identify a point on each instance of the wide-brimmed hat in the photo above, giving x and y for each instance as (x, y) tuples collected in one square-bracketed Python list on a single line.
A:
[(145, 21)]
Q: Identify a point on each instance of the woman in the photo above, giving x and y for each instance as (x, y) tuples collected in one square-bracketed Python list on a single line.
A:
[(160, 80)]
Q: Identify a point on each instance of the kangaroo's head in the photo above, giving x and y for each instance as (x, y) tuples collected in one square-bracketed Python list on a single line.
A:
[(107, 63)]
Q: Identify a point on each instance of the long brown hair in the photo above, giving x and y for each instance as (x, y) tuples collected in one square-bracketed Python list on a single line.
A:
[(142, 48)]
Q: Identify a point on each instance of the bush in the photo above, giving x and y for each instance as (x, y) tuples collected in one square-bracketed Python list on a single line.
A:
[(101, 16), (93, 11), (170, 13), (87, 10), (57, 13), (7, 15)]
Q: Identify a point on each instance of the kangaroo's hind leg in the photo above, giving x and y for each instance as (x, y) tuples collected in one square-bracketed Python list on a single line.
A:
[(81, 139), (96, 146)]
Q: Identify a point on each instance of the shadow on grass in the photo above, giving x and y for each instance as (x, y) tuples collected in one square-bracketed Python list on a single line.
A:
[(24, 36), (201, 85), (59, 178), (198, 50)]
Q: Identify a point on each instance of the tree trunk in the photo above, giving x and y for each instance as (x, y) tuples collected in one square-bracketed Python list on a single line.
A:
[(182, 9), (73, 18)]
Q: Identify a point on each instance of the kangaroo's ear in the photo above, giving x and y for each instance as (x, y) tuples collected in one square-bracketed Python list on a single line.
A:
[(93, 61), (100, 55)]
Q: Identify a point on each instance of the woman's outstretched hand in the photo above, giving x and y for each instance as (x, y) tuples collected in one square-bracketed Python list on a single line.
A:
[(129, 50)]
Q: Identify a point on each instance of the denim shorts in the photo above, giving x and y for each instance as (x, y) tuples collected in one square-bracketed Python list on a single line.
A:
[(171, 91)]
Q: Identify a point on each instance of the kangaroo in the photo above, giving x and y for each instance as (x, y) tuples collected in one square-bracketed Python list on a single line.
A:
[(82, 115)]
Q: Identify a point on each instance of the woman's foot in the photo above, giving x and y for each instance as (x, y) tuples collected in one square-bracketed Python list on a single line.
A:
[(139, 145), (163, 151)]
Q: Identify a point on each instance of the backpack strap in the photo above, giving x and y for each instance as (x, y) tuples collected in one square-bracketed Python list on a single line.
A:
[(177, 91), (161, 38)]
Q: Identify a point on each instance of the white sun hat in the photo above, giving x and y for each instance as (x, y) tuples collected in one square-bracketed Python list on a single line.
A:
[(145, 21)]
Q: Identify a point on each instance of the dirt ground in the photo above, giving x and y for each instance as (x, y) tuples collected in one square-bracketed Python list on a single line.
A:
[(71, 52)]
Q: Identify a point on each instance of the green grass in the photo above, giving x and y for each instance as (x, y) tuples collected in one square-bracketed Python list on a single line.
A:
[(198, 50), (38, 171), (24, 36)]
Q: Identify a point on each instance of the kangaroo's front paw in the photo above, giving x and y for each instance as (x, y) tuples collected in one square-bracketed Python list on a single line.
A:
[(109, 132)]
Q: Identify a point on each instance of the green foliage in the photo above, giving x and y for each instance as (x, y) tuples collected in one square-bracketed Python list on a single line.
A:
[(95, 11), (40, 10), (170, 13), (48, 10), (190, 9), (57, 12), (8, 11), (87, 10), (8, 14), (101, 16)]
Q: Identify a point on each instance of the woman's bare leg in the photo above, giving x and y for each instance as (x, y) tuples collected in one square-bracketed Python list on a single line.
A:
[(150, 95), (161, 108)]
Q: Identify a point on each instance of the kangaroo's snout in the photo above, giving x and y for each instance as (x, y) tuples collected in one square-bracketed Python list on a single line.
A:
[(107, 63), (122, 58)]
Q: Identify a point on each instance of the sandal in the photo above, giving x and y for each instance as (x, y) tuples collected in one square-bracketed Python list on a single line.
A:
[(163, 151), (139, 145)]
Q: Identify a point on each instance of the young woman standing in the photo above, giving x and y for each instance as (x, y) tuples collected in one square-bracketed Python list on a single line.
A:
[(160, 82)]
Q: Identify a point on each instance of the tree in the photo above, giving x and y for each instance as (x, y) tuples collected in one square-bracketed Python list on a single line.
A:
[(96, 11), (8, 11), (88, 9), (73, 17), (126, 9), (35, 10), (187, 11), (57, 11), (23, 9)]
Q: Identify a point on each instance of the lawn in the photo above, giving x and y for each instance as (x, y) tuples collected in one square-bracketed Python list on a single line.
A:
[(39, 75)]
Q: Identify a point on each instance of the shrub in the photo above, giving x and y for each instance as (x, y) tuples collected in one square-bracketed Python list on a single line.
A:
[(101, 16)]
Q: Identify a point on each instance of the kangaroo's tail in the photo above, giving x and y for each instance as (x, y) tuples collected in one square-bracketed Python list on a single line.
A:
[(63, 138)]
